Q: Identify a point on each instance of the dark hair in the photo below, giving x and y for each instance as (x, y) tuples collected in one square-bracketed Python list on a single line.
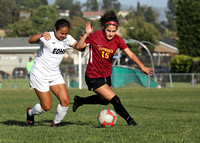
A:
[(108, 16), (61, 23)]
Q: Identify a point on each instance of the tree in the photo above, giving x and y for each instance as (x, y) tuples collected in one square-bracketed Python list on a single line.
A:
[(44, 2), (140, 10), (188, 30), (44, 18), (22, 28), (31, 3), (170, 14), (64, 4), (137, 28), (111, 4), (91, 5), (75, 10), (151, 15), (148, 13), (40, 21), (9, 13), (77, 28)]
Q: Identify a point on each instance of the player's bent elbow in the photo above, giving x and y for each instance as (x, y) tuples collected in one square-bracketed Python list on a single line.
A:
[(30, 41), (82, 49)]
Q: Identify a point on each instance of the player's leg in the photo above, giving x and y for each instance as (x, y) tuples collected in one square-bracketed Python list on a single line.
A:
[(93, 99), (44, 105), (92, 83), (41, 88), (106, 92), (61, 93), (102, 87)]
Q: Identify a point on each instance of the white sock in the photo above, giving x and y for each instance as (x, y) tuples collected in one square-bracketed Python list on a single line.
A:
[(60, 113), (37, 109)]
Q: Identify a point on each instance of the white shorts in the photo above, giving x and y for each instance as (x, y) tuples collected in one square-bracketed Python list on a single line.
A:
[(43, 85)]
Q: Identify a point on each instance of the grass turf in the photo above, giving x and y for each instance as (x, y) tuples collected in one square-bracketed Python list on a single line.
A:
[(163, 115)]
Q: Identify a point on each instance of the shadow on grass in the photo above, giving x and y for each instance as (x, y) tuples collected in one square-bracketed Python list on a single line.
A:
[(64, 123), (14, 123), (40, 123)]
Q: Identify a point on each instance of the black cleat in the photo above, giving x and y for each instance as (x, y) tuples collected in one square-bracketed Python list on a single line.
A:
[(56, 125), (76, 103), (131, 122), (30, 120)]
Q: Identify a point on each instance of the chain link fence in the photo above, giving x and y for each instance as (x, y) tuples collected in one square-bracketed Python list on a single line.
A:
[(179, 80), (170, 80)]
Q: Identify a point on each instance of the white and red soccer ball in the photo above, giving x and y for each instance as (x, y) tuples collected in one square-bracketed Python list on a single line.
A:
[(107, 118)]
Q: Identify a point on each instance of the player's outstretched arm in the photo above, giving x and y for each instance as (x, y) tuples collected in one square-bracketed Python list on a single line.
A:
[(36, 38), (136, 60)]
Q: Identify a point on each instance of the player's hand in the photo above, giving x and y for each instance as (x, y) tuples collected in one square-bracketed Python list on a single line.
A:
[(88, 28), (148, 71), (46, 36)]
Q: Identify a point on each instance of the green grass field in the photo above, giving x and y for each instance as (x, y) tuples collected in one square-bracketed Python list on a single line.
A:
[(166, 115)]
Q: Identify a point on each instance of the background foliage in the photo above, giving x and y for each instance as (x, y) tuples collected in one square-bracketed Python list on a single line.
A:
[(188, 19), (9, 13), (181, 64)]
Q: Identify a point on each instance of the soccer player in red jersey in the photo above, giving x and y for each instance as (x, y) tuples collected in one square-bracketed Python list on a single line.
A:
[(103, 45)]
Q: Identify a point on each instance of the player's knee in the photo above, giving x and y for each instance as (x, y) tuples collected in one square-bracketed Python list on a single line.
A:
[(64, 102), (46, 107)]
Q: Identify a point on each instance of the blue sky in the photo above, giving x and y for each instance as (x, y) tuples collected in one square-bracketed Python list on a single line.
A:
[(153, 3)]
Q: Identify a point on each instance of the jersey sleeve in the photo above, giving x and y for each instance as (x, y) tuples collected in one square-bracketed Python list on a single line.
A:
[(71, 40), (42, 40), (122, 45)]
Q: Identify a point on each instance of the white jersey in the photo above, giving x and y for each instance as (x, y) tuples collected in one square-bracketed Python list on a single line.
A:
[(50, 56)]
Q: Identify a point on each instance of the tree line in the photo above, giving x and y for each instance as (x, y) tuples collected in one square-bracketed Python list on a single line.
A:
[(43, 17), (141, 23)]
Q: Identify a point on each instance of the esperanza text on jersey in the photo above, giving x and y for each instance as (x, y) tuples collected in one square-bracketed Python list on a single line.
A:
[(58, 51)]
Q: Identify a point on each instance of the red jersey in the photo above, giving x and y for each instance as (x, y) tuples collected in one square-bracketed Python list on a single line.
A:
[(101, 54)]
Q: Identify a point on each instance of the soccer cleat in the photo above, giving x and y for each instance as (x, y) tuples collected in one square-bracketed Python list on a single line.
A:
[(30, 120), (131, 122), (56, 125), (76, 103)]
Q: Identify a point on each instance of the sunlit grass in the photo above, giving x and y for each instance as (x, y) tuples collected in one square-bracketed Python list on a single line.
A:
[(163, 115)]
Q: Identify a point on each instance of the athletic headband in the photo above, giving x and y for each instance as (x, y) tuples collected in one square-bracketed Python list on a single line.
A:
[(112, 22)]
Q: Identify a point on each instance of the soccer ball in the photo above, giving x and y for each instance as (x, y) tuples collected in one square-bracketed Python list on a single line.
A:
[(107, 118)]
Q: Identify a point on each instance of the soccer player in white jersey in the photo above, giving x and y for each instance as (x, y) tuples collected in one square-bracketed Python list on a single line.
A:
[(45, 74)]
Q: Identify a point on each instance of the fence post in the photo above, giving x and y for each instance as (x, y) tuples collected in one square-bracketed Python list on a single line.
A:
[(149, 81), (80, 71), (170, 78), (9, 81), (193, 80)]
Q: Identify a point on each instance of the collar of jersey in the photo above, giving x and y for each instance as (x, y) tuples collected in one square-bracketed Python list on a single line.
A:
[(53, 37)]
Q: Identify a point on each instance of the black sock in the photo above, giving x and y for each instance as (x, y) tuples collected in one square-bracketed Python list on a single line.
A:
[(119, 108), (93, 99)]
